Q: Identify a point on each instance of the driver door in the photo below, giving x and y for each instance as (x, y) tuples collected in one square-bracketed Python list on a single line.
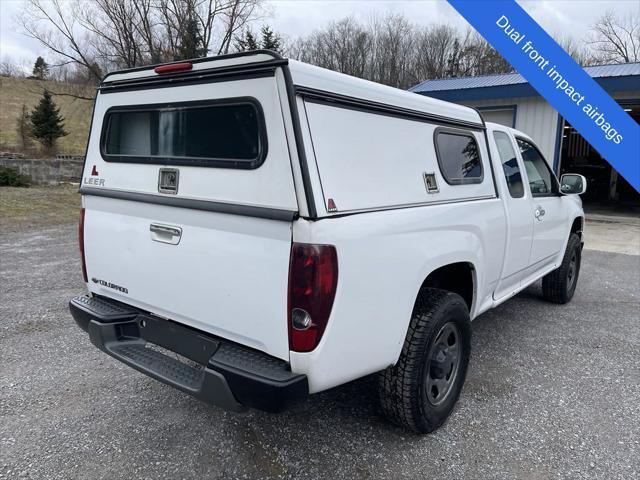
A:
[(547, 208)]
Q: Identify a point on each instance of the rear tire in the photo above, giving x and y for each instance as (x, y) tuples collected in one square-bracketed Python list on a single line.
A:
[(420, 391), (560, 285)]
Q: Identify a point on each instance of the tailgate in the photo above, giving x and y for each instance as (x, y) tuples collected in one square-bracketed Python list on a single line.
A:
[(189, 200)]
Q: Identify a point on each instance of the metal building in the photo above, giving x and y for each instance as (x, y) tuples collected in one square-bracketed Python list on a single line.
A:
[(510, 100)]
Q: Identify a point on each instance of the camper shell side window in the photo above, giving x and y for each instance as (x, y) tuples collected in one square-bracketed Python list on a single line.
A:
[(226, 133), (458, 156)]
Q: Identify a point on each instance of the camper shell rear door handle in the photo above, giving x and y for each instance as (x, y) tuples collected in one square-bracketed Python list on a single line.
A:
[(165, 233)]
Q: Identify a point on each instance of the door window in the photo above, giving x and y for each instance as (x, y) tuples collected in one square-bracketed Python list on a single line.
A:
[(542, 181), (509, 164)]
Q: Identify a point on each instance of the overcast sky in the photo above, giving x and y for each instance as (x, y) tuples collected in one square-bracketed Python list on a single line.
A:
[(299, 17)]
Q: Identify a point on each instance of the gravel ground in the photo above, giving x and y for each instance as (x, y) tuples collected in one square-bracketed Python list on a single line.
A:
[(552, 392)]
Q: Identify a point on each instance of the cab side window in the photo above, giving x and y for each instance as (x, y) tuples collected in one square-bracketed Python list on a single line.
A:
[(542, 181), (509, 164)]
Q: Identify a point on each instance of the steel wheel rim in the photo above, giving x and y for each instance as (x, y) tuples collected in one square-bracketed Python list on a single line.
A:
[(571, 273), (443, 364)]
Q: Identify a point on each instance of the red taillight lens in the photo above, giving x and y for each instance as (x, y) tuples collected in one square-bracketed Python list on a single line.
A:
[(313, 278), (81, 242), (173, 67)]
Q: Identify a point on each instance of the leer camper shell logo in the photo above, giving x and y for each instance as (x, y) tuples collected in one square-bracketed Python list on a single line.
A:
[(92, 180)]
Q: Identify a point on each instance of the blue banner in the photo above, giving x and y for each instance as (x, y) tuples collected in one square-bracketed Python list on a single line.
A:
[(560, 80)]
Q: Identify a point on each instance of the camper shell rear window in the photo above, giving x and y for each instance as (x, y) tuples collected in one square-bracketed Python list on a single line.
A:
[(227, 133)]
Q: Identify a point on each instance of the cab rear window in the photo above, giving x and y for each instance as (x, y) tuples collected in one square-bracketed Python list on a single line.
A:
[(228, 134)]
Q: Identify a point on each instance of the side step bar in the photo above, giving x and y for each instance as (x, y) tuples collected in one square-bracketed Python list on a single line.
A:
[(216, 371)]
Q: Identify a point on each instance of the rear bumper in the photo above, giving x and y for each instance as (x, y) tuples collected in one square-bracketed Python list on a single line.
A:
[(216, 371)]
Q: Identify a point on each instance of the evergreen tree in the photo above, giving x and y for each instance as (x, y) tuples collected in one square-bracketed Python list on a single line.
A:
[(270, 40), (40, 69), (47, 125), (453, 61), (246, 42), (191, 41), (252, 43)]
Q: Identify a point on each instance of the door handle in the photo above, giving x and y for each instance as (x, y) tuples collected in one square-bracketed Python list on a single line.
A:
[(165, 233), (539, 213)]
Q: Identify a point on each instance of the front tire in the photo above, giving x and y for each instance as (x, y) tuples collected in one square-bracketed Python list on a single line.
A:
[(420, 391), (560, 285)]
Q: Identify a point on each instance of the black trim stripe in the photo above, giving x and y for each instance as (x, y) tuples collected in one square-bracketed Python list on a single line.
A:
[(86, 150), (193, 77), (271, 53), (297, 133), (359, 104), (493, 173), (205, 205), (409, 205)]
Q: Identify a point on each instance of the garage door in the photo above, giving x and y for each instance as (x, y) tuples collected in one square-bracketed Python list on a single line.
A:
[(503, 116)]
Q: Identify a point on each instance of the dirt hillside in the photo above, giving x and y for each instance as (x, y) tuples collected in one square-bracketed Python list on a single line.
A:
[(15, 92)]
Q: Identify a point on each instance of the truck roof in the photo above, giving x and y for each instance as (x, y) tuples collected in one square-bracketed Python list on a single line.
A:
[(498, 126), (310, 77)]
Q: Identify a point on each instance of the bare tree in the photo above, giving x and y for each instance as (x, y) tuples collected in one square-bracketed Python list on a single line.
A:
[(434, 45), (12, 68), (23, 129), (113, 28), (393, 42), (55, 25), (579, 51), (101, 35), (484, 59), (393, 51), (616, 39), (236, 15), (344, 46)]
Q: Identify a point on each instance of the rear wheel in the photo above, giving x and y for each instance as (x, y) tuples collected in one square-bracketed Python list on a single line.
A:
[(421, 389), (560, 285)]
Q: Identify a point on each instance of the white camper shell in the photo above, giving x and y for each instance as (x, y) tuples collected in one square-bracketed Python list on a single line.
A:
[(279, 224)]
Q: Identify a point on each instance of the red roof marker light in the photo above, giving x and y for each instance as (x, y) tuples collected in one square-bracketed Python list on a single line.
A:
[(173, 67)]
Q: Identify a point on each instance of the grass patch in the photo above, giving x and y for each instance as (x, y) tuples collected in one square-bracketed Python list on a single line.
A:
[(38, 206), (15, 92)]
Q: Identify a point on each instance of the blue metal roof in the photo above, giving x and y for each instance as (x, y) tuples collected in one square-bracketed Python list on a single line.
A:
[(610, 77)]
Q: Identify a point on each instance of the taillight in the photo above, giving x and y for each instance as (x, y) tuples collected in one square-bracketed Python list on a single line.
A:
[(81, 242), (313, 278), (173, 67)]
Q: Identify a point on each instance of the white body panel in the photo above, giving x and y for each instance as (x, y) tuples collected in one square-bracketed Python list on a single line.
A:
[(367, 161), (548, 229), (228, 274), (271, 185), (383, 259), (519, 222), (310, 76)]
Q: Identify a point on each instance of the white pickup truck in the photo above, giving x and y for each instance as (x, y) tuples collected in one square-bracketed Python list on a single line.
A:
[(255, 229)]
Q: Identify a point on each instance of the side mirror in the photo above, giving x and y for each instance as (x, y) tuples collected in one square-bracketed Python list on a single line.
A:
[(573, 184)]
